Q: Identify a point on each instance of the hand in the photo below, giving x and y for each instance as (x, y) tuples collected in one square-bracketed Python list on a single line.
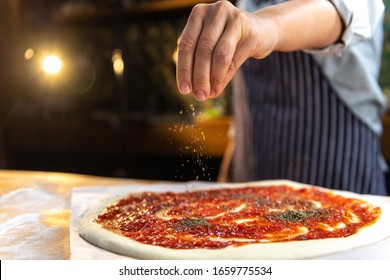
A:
[(217, 39)]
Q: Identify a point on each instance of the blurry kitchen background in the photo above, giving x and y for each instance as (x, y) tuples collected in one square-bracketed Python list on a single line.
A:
[(113, 109)]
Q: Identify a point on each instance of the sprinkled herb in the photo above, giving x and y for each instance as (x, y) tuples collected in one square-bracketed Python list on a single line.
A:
[(188, 223), (296, 216), (225, 207), (296, 203)]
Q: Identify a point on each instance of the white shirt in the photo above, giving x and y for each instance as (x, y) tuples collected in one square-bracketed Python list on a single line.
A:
[(352, 66)]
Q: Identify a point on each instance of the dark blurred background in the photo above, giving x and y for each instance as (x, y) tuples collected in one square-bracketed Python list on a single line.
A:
[(113, 109), (90, 118)]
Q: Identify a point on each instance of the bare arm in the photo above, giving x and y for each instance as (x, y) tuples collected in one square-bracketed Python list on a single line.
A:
[(219, 37), (303, 24)]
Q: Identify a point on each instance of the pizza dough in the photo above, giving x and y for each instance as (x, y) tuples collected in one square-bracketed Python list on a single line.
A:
[(303, 249)]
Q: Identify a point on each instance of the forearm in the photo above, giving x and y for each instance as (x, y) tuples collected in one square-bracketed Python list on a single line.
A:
[(303, 24)]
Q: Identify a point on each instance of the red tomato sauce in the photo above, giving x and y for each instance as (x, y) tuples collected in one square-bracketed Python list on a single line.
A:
[(224, 217)]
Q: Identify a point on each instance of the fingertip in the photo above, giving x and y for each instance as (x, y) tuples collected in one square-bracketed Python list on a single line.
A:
[(200, 95), (213, 94), (185, 88)]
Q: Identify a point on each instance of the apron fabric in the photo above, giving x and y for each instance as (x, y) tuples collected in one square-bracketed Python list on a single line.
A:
[(290, 124)]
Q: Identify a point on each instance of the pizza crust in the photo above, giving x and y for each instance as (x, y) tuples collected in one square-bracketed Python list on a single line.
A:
[(110, 241)]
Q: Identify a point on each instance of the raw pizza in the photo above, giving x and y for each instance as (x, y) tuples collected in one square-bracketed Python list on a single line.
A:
[(259, 220)]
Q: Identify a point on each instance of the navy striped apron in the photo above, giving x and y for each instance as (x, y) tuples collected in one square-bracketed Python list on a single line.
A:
[(290, 124)]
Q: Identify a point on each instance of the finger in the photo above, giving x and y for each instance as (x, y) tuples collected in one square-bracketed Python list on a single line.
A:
[(239, 57), (186, 50), (222, 58), (212, 30)]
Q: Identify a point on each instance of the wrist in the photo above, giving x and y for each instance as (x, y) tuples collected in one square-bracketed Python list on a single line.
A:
[(268, 33)]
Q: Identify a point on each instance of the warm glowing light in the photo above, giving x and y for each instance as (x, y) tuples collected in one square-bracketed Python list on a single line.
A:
[(29, 53), (52, 64), (117, 62)]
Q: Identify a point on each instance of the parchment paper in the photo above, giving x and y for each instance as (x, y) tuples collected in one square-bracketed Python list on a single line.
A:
[(33, 224)]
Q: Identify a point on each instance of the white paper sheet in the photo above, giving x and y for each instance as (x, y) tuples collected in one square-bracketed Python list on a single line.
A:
[(25, 231), (82, 198)]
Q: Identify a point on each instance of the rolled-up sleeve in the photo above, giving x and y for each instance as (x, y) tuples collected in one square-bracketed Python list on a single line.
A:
[(360, 17)]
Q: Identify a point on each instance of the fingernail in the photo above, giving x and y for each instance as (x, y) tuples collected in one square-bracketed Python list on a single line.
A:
[(200, 95), (185, 88)]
